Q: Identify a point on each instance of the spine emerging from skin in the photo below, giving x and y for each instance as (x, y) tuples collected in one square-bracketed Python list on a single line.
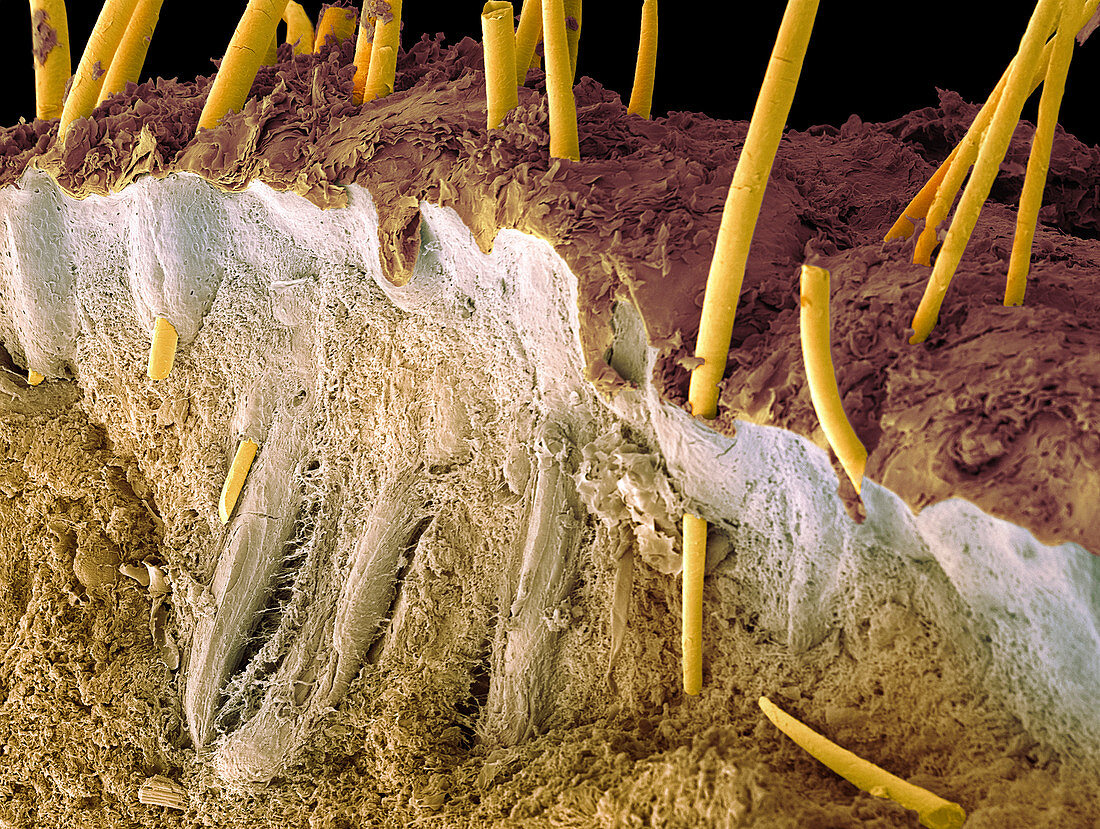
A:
[(955, 169), (992, 152), (933, 810), (103, 42), (52, 63), (130, 56), (818, 359), (746, 194), (499, 41), (727, 272), (564, 141), (382, 72), (299, 29), (641, 95), (242, 60), (921, 203), (1038, 162), (336, 21), (528, 34)]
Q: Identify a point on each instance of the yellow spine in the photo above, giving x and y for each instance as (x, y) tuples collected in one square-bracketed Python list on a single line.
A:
[(992, 152), (727, 267), (918, 207), (527, 37), (746, 194), (162, 350), (364, 43), (641, 95), (130, 56), (564, 141), (499, 42), (957, 166), (52, 69), (103, 42), (299, 29), (234, 481), (271, 53), (818, 359), (338, 22), (382, 72), (921, 205), (691, 629), (572, 9), (933, 811), (1038, 162), (242, 60)]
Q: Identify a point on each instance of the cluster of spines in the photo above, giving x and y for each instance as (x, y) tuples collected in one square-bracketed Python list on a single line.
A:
[(1041, 59)]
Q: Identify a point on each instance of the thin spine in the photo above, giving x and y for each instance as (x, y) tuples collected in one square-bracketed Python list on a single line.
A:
[(934, 811), (962, 158), (382, 73), (919, 206), (501, 92), (364, 43), (742, 207), (242, 60), (564, 140), (527, 37), (645, 70), (132, 50), (51, 74), (1038, 162), (956, 168), (992, 152), (103, 42), (817, 356), (299, 28), (727, 268), (691, 628)]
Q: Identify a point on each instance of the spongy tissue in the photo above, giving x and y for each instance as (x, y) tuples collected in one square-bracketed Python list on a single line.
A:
[(621, 483), (798, 563)]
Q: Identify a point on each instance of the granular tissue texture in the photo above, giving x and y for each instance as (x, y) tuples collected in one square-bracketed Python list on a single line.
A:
[(448, 593)]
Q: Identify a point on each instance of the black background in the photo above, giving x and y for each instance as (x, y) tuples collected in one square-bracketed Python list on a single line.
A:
[(875, 60)]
